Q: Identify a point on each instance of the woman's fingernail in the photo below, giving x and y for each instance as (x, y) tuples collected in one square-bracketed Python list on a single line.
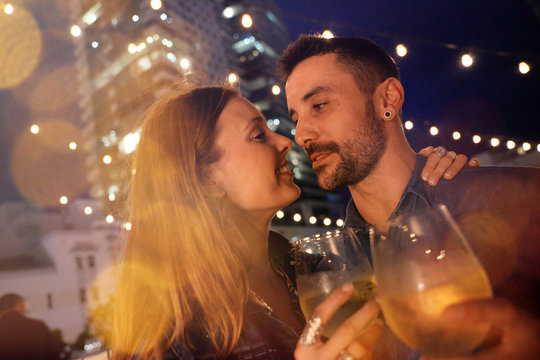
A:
[(347, 286), (431, 181), (447, 175), (424, 177)]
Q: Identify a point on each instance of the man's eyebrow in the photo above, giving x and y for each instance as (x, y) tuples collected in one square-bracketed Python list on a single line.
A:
[(314, 91)]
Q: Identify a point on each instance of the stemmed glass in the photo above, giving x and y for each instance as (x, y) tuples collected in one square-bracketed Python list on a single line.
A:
[(326, 261), (423, 264)]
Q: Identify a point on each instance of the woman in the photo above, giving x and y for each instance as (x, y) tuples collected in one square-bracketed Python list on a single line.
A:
[(200, 277)]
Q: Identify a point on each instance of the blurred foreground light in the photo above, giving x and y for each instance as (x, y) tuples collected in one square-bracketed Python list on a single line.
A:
[(510, 144), (476, 139), (456, 135), (127, 226), (327, 34), (401, 50), (34, 129), (155, 4), (538, 147), (163, 17), (135, 18), (280, 214), (276, 90), (63, 200), (247, 21), (467, 60), (297, 217), (409, 125), (95, 44), (107, 159), (526, 146), (72, 145), (75, 31), (232, 78), (433, 130), (20, 45), (8, 9), (132, 48), (185, 63), (327, 222), (340, 222), (524, 67), (494, 142), (88, 210), (109, 219), (312, 220)]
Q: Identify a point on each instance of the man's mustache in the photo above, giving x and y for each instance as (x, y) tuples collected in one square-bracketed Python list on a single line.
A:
[(321, 147)]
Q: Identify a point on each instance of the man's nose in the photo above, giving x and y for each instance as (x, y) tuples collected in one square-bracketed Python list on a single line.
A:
[(305, 132)]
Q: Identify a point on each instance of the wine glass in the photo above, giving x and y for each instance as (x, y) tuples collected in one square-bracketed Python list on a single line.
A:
[(326, 261), (423, 264)]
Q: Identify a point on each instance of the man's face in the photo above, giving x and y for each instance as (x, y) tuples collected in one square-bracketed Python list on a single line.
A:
[(336, 123)]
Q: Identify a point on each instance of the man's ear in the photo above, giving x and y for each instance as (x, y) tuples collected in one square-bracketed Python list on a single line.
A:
[(388, 98)]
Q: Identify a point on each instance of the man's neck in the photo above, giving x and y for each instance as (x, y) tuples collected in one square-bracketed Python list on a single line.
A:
[(378, 195)]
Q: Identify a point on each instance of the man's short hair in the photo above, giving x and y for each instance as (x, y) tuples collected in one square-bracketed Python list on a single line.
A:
[(9, 301), (366, 61)]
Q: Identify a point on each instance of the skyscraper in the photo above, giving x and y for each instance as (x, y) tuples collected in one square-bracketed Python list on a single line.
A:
[(128, 54)]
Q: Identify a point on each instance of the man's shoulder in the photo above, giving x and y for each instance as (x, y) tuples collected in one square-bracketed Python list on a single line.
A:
[(497, 186)]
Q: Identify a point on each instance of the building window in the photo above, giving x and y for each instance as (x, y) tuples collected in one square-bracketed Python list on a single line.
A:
[(82, 295), (49, 301), (78, 261), (91, 261)]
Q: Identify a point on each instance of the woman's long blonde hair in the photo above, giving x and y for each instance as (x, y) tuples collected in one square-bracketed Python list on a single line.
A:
[(179, 266)]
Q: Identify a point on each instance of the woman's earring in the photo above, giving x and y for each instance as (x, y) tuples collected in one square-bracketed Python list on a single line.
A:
[(387, 114)]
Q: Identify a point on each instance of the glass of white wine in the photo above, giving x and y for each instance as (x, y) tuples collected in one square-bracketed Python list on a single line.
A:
[(326, 261), (423, 264)]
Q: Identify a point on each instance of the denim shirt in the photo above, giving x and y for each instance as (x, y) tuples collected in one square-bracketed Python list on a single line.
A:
[(263, 336), (498, 209)]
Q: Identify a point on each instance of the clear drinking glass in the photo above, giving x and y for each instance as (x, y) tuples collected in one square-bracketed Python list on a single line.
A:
[(423, 264), (326, 261)]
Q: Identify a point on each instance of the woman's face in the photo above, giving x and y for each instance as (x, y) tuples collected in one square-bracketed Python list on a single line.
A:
[(253, 169)]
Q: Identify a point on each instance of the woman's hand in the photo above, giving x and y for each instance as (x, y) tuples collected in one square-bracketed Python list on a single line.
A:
[(354, 339), (443, 163)]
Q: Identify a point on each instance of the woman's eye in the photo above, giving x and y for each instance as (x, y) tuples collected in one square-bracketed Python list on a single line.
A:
[(260, 136), (319, 106)]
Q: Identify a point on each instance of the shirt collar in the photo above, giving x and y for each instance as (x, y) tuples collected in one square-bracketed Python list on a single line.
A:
[(415, 187)]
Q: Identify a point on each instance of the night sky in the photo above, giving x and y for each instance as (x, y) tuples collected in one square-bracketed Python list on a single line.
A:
[(489, 98)]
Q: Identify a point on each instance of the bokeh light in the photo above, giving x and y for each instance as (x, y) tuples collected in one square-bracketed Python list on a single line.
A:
[(510, 144), (20, 45), (312, 220), (526, 146), (232, 78), (467, 60), (327, 34), (401, 50), (409, 125), (456, 135), (247, 21), (433, 130), (524, 67), (476, 139), (280, 214), (42, 166), (494, 142), (276, 90)]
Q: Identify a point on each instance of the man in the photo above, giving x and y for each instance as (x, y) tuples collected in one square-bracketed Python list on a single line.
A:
[(345, 97), (22, 337)]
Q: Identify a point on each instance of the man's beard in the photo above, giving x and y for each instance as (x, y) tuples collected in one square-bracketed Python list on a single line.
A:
[(359, 154)]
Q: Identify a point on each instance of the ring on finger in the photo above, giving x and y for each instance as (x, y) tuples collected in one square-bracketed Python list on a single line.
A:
[(451, 154), (312, 332), (441, 151), (345, 355)]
